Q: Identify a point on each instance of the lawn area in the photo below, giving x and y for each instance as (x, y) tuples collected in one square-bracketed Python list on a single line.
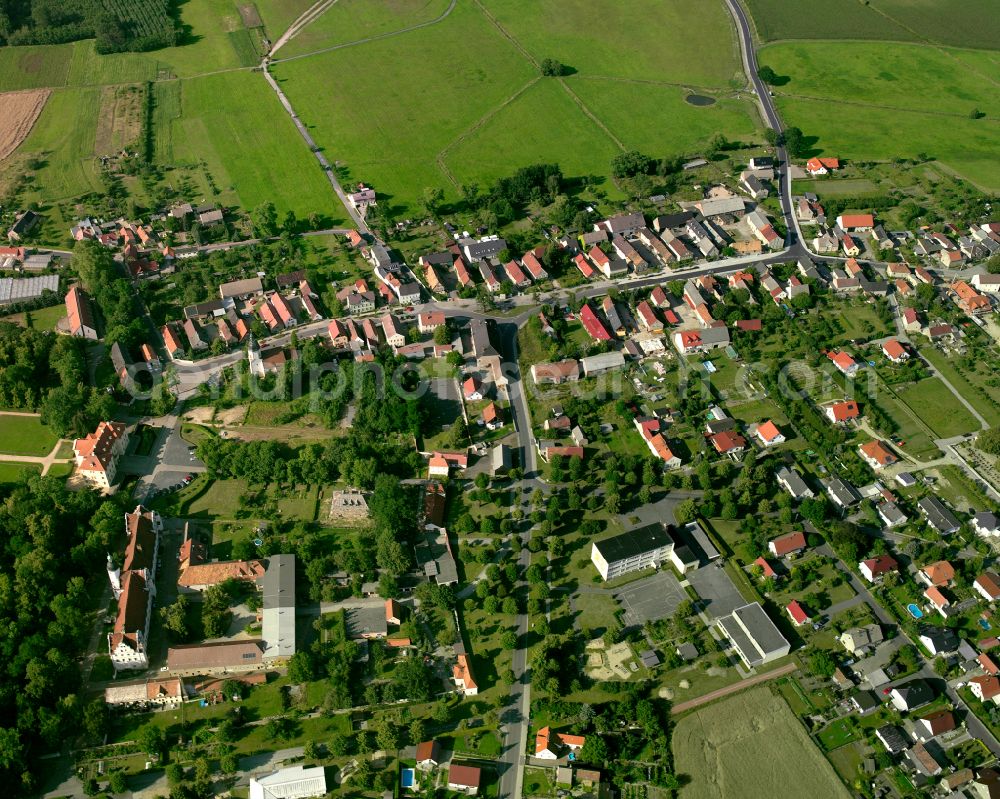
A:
[(221, 499), (596, 612), (759, 410), (234, 124), (932, 402), (860, 321), (835, 735), (299, 503), (836, 187), (12, 472), (42, 319), (354, 20), (751, 746), (964, 381), (25, 435), (917, 442)]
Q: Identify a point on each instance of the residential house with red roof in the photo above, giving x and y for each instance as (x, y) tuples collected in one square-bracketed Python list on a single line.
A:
[(970, 300), (845, 364), (516, 275), (797, 614), (856, 222), (533, 266), (134, 588), (491, 418), (987, 585), (766, 570), (728, 442), (584, 266), (873, 568), (464, 779), (769, 434), (473, 388), (648, 318), (788, 544), (658, 297), (552, 745), (461, 674), (80, 314), (986, 688), (593, 325), (940, 573), (877, 455), (842, 412), (822, 166)]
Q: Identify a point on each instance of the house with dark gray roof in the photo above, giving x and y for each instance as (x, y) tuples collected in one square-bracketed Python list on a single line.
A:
[(938, 516)]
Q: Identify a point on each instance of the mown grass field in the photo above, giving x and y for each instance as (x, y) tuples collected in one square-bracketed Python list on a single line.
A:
[(234, 123), (751, 746), (638, 39), (931, 401), (907, 76), (13, 472), (353, 20), (25, 435), (462, 100), (964, 145)]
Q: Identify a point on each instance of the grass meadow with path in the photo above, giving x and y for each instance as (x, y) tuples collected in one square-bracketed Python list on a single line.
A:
[(463, 101)]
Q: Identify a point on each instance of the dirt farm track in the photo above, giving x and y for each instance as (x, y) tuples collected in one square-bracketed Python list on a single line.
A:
[(20, 110)]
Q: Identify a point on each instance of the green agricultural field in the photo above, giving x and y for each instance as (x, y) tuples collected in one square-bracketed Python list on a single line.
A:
[(751, 746), (657, 120), (932, 402), (235, 125), (892, 100), (960, 23), (278, 15), (837, 187), (389, 124), (593, 38), (387, 112), (25, 435), (823, 19), (965, 145), (63, 139), (520, 134), (34, 67), (907, 76), (350, 21)]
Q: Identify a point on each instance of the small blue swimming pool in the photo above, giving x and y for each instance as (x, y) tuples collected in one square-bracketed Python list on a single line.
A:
[(408, 778), (915, 611), (985, 624)]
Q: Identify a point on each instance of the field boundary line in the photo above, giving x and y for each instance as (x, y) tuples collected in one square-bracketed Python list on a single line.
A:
[(479, 123), (507, 34), (936, 45), (729, 93), (894, 108), (593, 117), (445, 14), (711, 696)]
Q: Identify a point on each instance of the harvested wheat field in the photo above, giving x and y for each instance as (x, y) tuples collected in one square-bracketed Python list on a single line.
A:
[(21, 109), (754, 747)]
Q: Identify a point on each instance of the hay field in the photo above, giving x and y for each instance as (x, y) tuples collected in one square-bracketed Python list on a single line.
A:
[(751, 746), (21, 109)]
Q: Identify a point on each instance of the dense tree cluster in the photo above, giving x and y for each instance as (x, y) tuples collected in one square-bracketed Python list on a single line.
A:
[(124, 26), (507, 199), (42, 371), (52, 542)]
